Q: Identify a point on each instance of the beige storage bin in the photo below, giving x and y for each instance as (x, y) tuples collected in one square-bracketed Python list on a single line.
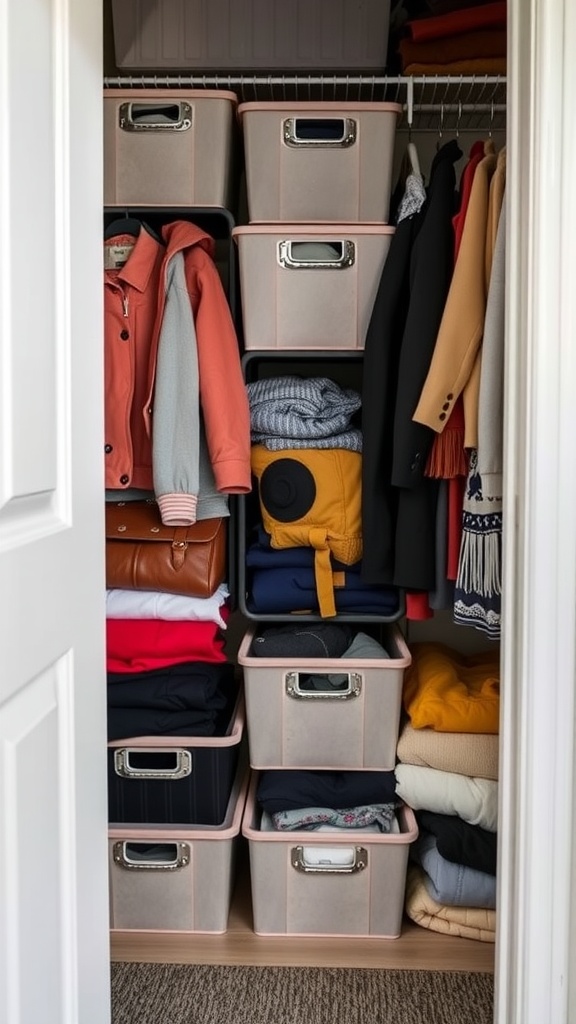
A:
[(250, 34), (346, 885), (166, 147), (319, 161), (309, 286), (172, 879), (291, 725)]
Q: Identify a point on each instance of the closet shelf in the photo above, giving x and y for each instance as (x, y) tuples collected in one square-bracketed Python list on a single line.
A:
[(433, 103)]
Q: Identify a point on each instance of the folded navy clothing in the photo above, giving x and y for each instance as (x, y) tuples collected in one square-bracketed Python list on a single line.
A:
[(123, 723), (277, 591), (460, 842), (261, 555), (189, 685), (280, 790)]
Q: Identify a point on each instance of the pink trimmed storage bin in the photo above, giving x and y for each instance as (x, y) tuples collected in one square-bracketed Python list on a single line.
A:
[(291, 726), (319, 161), (309, 286), (306, 883), (166, 147), (173, 879)]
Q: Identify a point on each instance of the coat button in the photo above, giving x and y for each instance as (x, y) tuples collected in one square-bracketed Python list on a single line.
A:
[(442, 416), (450, 396), (446, 405), (124, 479), (107, 448), (124, 334)]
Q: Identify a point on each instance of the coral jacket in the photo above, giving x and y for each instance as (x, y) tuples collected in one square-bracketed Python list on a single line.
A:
[(135, 301)]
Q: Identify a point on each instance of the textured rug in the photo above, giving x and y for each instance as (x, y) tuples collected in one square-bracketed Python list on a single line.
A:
[(190, 994)]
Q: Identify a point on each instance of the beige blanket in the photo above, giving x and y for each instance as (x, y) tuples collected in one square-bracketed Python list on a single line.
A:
[(466, 922), (474, 754)]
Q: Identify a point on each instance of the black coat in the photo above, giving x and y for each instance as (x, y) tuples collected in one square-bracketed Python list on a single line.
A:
[(398, 501)]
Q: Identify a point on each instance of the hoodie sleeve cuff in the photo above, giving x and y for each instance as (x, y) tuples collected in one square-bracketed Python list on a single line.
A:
[(177, 509)]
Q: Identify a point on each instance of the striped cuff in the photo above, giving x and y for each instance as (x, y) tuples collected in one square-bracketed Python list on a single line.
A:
[(177, 509)]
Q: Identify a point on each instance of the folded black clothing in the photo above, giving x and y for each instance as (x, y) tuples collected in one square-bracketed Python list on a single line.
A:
[(124, 723), (195, 685), (306, 640), (280, 790), (459, 842)]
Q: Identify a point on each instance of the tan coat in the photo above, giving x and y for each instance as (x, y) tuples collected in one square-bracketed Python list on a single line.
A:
[(455, 365)]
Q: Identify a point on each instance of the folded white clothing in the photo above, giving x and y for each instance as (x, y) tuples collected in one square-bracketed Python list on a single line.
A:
[(429, 789), (154, 604)]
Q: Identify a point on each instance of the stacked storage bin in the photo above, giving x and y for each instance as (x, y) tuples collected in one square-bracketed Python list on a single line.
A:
[(320, 727), (177, 772)]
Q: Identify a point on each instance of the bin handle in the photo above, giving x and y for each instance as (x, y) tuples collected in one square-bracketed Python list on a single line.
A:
[(299, 862), (288, 257), (295, 135), (180, 859), (128, 114), (123, 768), (293, 690)]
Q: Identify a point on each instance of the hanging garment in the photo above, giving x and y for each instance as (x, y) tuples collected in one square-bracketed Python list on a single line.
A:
[(140, 282), (478, 591), (398, 515)]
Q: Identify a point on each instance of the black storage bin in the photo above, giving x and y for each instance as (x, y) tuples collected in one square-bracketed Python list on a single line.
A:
[(174, 780)]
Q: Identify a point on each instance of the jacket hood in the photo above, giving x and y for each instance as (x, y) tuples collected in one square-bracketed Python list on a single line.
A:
[(181, 234)]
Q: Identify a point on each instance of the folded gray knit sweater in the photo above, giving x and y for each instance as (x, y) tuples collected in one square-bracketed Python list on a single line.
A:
[(300, 412)]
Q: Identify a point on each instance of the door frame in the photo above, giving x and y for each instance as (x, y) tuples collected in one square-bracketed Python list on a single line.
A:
[(535, 869)]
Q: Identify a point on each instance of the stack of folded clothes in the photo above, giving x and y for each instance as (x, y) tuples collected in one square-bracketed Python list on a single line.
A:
[(290, 414), (465, 41), (167, 673), (448, 772), (283, 580), (327, 801)]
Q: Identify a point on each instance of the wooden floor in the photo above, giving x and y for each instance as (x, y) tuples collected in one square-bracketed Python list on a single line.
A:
[(416, 949)]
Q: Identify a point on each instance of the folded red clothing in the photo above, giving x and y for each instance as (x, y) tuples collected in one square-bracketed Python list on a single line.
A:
[(139, 645), (468, 45), (478, 66), (467, 20)]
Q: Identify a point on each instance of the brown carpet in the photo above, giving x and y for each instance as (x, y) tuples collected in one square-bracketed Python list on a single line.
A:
[(190, 994)]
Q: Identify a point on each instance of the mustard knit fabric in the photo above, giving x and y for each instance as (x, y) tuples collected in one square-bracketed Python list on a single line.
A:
[(449, 691)]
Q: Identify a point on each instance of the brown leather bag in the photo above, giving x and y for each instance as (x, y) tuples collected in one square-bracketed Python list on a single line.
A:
[(142, 554)]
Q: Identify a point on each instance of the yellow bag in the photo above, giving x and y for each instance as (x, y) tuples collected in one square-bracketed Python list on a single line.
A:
[(312, 497)]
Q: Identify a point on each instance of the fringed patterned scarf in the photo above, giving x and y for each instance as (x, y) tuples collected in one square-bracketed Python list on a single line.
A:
[(478, 591)]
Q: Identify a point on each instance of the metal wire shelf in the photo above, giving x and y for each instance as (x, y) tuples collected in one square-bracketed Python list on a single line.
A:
[(432, 103)]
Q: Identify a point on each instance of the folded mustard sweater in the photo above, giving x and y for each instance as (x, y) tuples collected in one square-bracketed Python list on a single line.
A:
[(452, 692)]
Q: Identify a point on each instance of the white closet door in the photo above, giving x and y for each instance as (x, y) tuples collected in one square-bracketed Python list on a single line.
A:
[(53, 889)]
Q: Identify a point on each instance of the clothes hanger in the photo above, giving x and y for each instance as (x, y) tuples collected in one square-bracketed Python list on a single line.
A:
[(127, 225), (413, 158), (411, 150)]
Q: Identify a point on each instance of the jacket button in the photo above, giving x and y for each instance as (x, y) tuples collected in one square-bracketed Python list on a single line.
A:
[(442, 416), (450, 396), (124, 479), (446, 405), (124, 334), (107, 448)]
